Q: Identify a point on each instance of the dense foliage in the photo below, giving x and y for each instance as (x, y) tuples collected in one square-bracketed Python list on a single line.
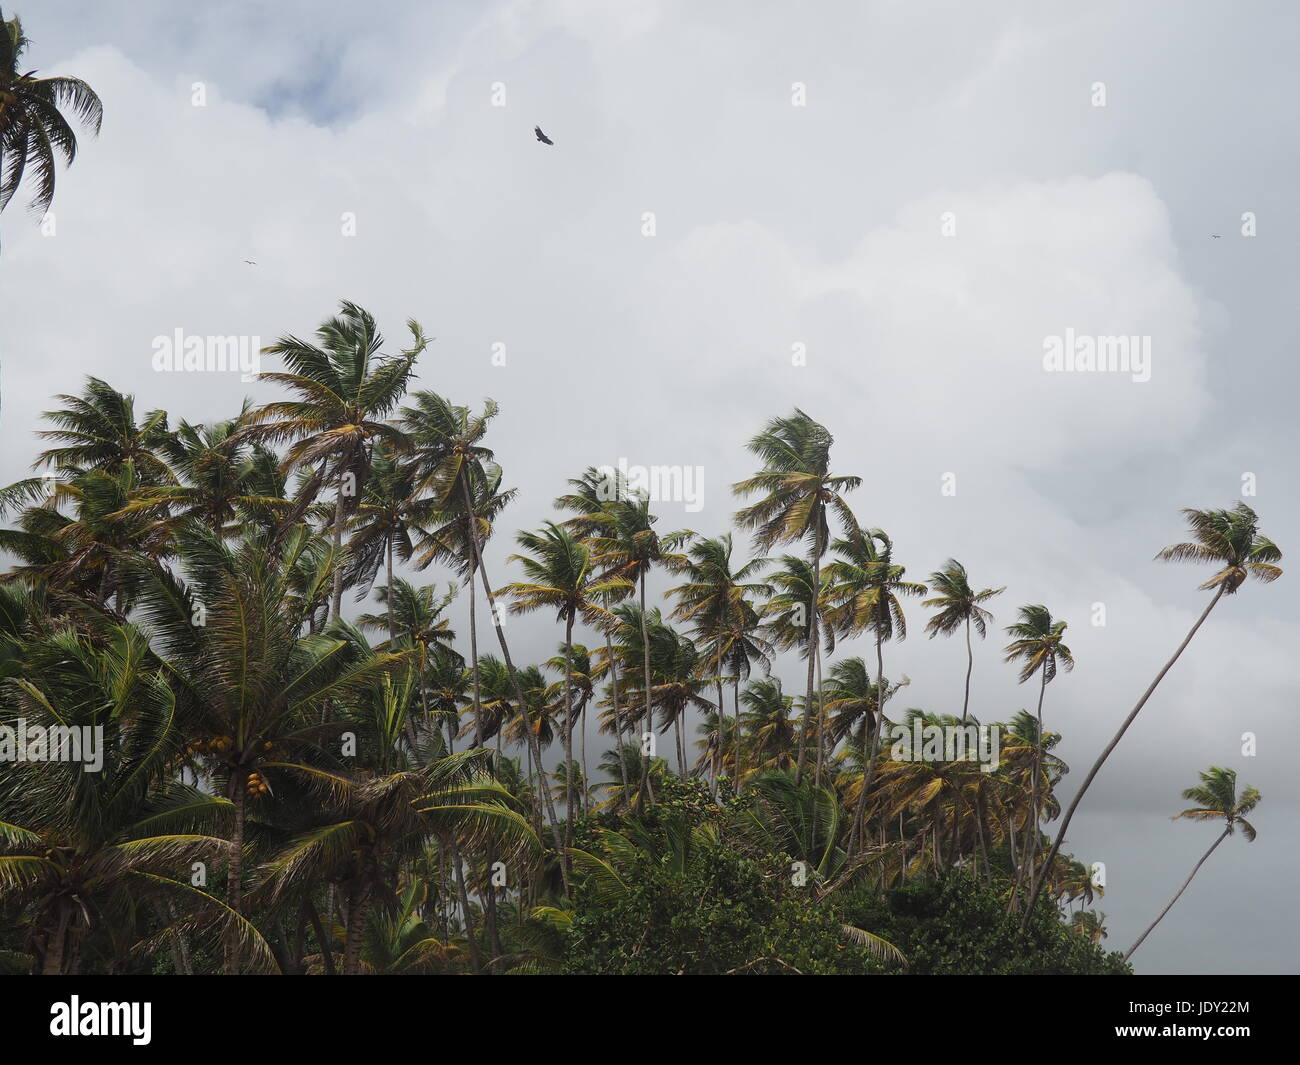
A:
[(284, 785)]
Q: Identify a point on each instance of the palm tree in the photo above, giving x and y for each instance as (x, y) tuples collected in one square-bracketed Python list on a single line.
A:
[(345, 387), (799, 495), (373, 821), (98, 431), (464, 481), (414, 615), (716, 601), (958, 606), (220, 481), (1229, 539), (1038, 647), (33, 128), (381, 529), (767, 717), (867, 585), (255, 690), (627, 546), (1217, 799), (562, 577), (79, 849)]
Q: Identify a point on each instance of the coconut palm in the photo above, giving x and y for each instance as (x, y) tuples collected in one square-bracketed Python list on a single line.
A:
[(717, 602), (1038, 647), (257, 692), (1229, 539), (627, 546), (220, 480), (33, 126), (78, 849), (98, 430), (867, 586), (799, 496), (1217, 800), (562, 576), (345, 386), (957, 605)]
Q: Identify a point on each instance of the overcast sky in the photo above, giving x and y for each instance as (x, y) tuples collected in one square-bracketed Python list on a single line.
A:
[(775, 225)]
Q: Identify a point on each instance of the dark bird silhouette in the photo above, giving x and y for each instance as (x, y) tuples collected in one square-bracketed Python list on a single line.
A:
[(542, 136), (250, 262), (1215, 236)]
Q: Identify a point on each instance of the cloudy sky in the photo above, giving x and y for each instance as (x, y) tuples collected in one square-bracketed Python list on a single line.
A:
[(914, 195)]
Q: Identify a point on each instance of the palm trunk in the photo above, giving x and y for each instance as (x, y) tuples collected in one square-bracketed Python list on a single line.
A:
[(1226, 833), (337, 599), (812, 664), (568, 734), (52, 964), (473, 641), (719, 748), (523, 711), (1031, 830), (740, 745), (868, 771), (647, 713), (681, 745), (1069, 813), (471, 935), (618, 717), (326, 954), (392, 624), (357, 911), (821, 723), (235, 869), (970, 665)]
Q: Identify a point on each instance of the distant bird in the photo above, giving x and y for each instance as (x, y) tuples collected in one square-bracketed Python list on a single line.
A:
[(250, 262), (542, 136), (1215, 236)]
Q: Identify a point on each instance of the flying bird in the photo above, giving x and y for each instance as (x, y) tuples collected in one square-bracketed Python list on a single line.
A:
[(250, 262), (542, 136), (1215, 236)]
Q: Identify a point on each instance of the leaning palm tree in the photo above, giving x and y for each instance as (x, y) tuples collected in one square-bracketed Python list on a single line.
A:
[(33, 129), (1228, 539), (799, 494), (1037, 645), (1217, 799), (345, 387), (958, 606)]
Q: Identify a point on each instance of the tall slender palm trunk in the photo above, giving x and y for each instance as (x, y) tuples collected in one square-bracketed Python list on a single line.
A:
[(1092, 773), (648, 717), (336, 600), (1031, 829), (970, 665), (568, 734), (392, 623), (1226, 833), (235, 869), (812, 652), (618, 717)]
